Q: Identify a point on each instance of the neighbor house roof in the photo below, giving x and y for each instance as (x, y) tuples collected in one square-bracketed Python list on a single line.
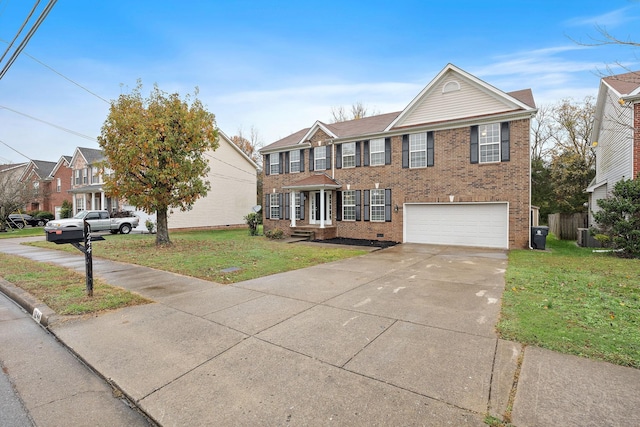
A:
[(43, 168), (624, 84)]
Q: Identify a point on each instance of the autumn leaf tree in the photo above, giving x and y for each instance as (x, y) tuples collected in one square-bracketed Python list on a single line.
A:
[(155, 148)]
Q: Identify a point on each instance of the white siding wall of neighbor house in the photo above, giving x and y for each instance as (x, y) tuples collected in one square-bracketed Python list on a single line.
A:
[(598, 193), (468, 101), (233, 192), (615, 144), (460, 224)]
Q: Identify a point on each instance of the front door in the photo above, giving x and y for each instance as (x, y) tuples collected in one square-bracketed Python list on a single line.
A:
[(315, 208)]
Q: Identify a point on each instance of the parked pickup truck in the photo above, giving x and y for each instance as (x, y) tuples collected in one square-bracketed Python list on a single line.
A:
[(98, 221)]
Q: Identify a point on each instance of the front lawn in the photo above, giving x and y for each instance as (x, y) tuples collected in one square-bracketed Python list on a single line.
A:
[(25, 232), (572, 300), (62, 289), (205, 254)]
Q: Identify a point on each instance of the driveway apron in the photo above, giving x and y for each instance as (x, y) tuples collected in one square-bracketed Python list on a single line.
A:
[(400, 336)]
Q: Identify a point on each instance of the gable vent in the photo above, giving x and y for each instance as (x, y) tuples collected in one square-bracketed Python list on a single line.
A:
[(451, 86)]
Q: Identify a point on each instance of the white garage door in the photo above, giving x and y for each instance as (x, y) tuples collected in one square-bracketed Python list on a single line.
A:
[(464, 224)]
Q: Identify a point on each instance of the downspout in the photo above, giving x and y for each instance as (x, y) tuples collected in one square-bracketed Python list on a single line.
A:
[(333, 159)]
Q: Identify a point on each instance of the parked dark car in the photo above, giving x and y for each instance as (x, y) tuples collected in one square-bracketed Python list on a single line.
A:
[(20, 220)]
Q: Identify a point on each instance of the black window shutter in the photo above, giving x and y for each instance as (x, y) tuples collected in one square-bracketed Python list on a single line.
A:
[(504, 142), (430, 148), (267, 206), (358, 163), (328, 158), (366, 205), (405, 151), (267, 164), (387, 151), (387, 205), (474, 152), (366, 152), (338, 202), (301, 160), (339, 156), (301, 206), (281, 163), (358, 205), (286, 162), (287, 198), (279, 206), (311, 158)]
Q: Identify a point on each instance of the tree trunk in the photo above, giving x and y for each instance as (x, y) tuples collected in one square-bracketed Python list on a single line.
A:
[(162, 233)]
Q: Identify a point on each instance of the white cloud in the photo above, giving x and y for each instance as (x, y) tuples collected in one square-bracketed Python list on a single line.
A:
[(609, 19)]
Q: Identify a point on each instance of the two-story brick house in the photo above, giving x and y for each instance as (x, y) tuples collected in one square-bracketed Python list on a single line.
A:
[(50, 181), (87, 181), (453, 167)]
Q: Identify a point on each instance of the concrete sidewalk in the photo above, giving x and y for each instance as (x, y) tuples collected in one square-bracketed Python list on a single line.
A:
[(401, 336)]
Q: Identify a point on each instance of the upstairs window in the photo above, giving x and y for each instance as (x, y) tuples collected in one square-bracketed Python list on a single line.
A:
[(376, 152), (489, 142), (349, 155), (294, 161), (418, 150), (274, 163), (77, 176), (320, 158), (58, 185)]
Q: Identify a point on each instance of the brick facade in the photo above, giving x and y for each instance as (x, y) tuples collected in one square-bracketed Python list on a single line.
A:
[(451, 174)]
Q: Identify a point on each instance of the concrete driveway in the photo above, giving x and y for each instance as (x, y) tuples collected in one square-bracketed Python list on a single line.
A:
[(401, 336)]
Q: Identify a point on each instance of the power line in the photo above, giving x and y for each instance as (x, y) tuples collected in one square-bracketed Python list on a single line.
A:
[(24, 24), (90, 138), (11, 148), (26, 39)]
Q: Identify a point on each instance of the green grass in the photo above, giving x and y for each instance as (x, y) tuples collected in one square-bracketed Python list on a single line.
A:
[(204, 254), (25, 232), (63, 290), (575, 301)]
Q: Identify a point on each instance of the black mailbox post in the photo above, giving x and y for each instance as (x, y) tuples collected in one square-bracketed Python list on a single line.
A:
[(81, 239)]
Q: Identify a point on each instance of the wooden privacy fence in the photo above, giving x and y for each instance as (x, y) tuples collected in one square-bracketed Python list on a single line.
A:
[(565, 226)]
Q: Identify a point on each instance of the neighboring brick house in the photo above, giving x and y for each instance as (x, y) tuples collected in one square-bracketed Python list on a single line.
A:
[(51, 182), (36, 175), (86, 181), (616, 135), (453, 167)]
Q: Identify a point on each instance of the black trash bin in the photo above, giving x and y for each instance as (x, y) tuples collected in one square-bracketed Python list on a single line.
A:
[(539, 237)]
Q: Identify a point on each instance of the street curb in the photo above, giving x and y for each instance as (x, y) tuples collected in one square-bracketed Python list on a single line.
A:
[(44, 315)]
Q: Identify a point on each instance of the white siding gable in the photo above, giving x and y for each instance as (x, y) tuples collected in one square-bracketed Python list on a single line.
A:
[(615, 142), (452, 97), (233, 181)]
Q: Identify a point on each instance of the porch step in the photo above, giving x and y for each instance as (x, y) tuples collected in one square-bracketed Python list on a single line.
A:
[(304, 234)]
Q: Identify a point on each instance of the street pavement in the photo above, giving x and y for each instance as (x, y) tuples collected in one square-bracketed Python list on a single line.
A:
[(42, 384), (400, 336)]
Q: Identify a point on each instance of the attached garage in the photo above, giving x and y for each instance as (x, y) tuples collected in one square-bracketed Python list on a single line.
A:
[(461, 224)]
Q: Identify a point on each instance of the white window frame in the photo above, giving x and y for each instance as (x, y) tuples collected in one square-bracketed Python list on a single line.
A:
[(317, 158), (349, 209), (274, 167), (274, 203), (489, 143), (58, 185), (85, 176), (296, 202), (349, 156), (294, 161), (418, 150), (376, 205), (376, 157), (77, 180), (79, 203)]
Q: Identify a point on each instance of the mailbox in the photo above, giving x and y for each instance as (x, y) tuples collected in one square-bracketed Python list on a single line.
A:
[(69, 235)]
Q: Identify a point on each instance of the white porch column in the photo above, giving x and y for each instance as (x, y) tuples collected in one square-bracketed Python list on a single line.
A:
[(84, 201), (75, 207), (102, 206), (93, 201), (292, 204), (322, 213)]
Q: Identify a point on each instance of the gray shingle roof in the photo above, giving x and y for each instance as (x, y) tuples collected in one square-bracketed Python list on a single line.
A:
[(91, 155), (43, 168)]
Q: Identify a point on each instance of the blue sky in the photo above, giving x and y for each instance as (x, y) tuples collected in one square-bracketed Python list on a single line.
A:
[(279, 66)]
